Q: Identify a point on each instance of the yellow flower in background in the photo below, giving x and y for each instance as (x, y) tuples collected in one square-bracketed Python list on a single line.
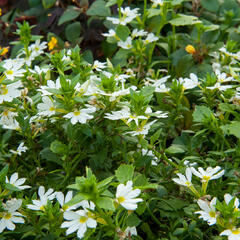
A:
[(0, 12), (52, 43), (3, 51), (190, 49)]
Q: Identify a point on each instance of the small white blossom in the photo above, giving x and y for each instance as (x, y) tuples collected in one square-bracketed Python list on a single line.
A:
[(126, 196), (150, 38), (138, 33), (209, 174), (21, 148), (111, 33), (233, 234), (182, 180), (189, 83), (10, 91), (10, 215), (228, 198), (81, 115), (80, 220), (157, 2), (126, 44), (208, 212), (44, 197), (46, 108), (17, 182), (99, 65), (64, 200)]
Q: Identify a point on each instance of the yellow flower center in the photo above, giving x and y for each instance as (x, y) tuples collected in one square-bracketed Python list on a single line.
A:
[(206, 178), (7, 216), (9, 72), (42, 208), (82, 219), (121, 199), (51, 109), (188, 183), (65, 207), (212, 214), (236, 231), (77, 113), (3, 90)]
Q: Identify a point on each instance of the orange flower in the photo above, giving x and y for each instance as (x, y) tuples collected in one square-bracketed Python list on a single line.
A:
[(3, 51), (0, 12), (52, 44), (190, 49)]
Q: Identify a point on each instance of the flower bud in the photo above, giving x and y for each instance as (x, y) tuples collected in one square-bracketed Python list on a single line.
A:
[(190, 49)]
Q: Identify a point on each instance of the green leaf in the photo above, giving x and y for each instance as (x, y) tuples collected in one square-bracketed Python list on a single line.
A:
[(99, 8), (124, 173), (201, 114), (3, 173), (178, 231), (122, 32), (104, 182), (48, 3), (183, 20), (210, 5), (69, 14), (12, 187), (155, 136), (133, 220), (232, 129), (58, 147), (175, 149), (153, 12), (105, 203), (73, 31), (111, 3)]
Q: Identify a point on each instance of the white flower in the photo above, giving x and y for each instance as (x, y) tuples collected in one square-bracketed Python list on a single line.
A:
[(10, 91), (209, 174), (208, 212), (150, 38), (126, 44), (138, 33), (81, 115), (8, 120), (50, 84), (125, 196), (37, 48), (17, 182), (111, 33), (189, 83), (44, 197), (10, 215), (130, 231), (13, 70), (146, 152), (157, 2), (38, 70), (99, 65), (220, 87), (228, 198), (233, 234), (21, 148), (143, 130), (46, 108), (79, 221), (182, 180), (64, 200), (222, 77)]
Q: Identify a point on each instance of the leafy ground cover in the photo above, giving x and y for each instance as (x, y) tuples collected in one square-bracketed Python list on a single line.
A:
[(136, 137)]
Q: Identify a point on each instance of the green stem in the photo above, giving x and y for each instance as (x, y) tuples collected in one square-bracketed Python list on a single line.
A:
[(153, 217), (168, 161), (105, 217)]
